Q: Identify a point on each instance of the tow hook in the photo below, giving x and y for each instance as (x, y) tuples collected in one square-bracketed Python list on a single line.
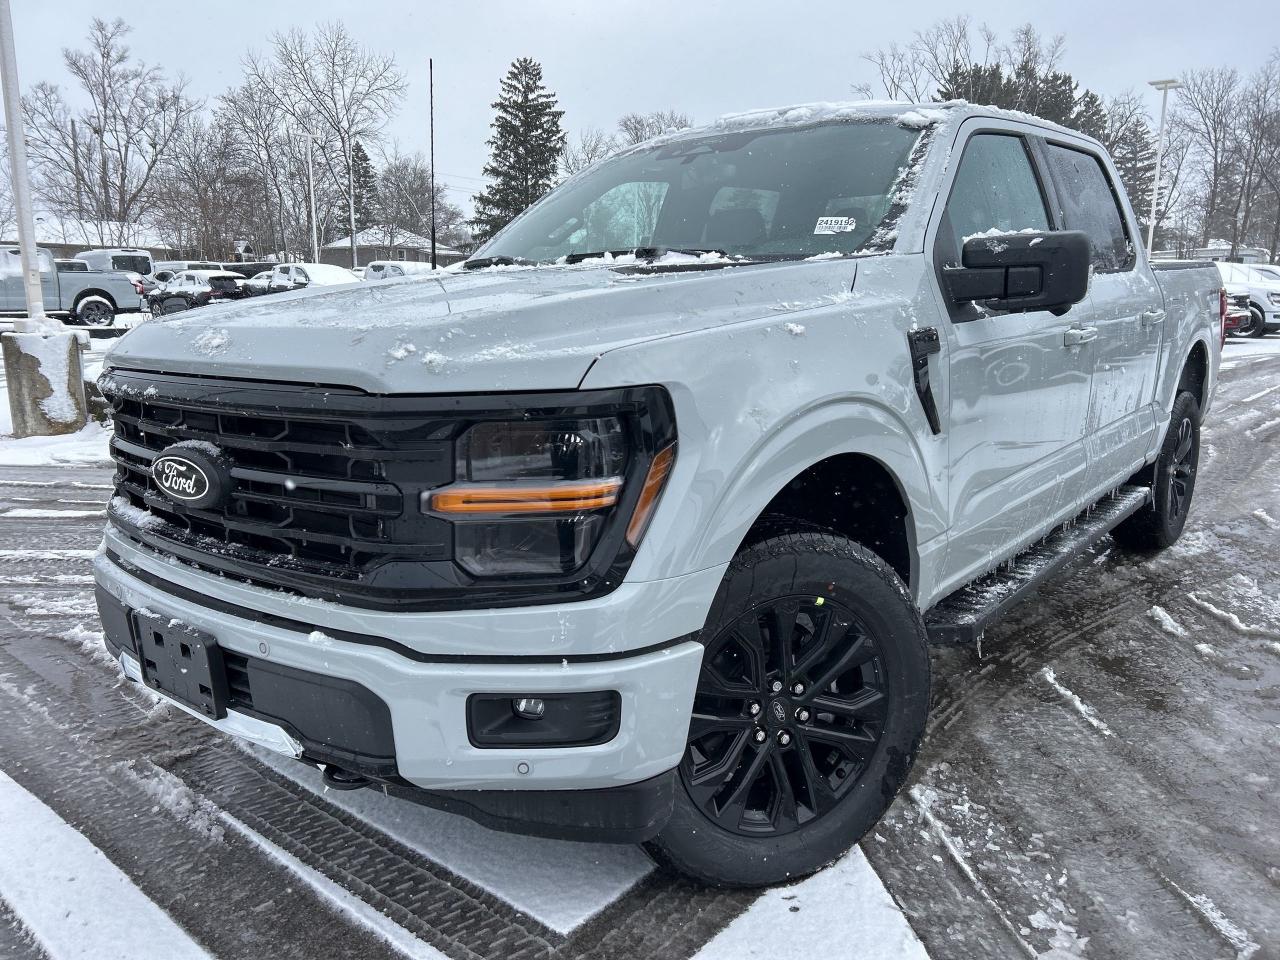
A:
[(339, 779)]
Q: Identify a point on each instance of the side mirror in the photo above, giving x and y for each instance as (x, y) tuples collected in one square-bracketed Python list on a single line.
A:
[(1018, 272)]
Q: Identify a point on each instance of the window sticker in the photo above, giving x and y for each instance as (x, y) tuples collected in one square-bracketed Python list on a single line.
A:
[(834, 225)]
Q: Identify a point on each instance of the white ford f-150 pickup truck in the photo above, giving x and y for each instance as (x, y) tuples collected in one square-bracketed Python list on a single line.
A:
[(638, 526)]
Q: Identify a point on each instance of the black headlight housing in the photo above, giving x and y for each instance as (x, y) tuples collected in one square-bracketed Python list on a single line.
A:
[(560, 494)]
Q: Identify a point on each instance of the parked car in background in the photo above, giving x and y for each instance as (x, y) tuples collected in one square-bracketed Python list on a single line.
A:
[(133, 259), (195, 288), (655, 550), (295, 276), (1263, 288), (1237, 315), (258, 284), (165, 270), (248, 270), (92, 298), (385, 269), (71, 266)]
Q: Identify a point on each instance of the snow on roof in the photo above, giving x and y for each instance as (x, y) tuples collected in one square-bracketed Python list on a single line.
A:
[(389, 237), (916, 116), (54, 229)]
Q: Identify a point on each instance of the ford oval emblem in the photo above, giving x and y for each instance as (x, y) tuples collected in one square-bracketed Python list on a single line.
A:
[(190, 476)]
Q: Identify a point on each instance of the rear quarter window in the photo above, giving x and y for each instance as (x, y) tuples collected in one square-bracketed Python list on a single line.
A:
[(1090, 203)]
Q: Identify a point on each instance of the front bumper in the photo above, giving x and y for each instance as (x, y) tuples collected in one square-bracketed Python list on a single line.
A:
[(425, 684)]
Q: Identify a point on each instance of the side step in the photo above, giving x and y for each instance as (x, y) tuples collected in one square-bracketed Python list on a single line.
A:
[(961, 617)]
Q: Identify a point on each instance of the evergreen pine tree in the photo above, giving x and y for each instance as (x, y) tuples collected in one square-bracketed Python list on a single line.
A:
[(366, 190), (525, 148), (1134, 154)]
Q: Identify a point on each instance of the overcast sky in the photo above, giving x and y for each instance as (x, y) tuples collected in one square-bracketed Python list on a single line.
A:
[(704, 57)]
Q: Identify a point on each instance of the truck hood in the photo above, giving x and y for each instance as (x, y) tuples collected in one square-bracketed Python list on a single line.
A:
[(495, 329)]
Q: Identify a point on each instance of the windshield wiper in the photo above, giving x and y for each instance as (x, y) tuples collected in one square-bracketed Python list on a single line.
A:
[(502, 261), (642, 253)]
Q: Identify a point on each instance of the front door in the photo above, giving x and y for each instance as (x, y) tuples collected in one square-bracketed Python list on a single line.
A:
[(1127, 310), (1019, 389)]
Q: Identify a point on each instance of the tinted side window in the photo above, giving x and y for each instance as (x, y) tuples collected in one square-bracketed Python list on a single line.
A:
[(995, 188), (1089, 204)]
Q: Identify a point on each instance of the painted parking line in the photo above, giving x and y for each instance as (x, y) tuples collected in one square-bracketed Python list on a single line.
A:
[(75, 902), (561, 885), (845, 904)]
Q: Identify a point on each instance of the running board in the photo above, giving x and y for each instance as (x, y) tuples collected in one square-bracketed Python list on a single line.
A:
[(961, 617)]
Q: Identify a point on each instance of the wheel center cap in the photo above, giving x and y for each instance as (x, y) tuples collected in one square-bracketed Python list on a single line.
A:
[(778, 711)]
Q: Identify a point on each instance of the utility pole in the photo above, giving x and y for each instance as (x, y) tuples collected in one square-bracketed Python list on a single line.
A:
[(41, 360), (431, 110), (1164, 86), (311, 200)]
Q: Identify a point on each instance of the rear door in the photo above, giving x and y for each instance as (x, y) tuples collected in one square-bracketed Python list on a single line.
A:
[(1127, 310), (1018, 393)]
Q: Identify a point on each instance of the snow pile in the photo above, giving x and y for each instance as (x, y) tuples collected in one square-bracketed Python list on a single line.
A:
[(175, 797), (795, 329), (87, 447), (924, 117), (52, 356)]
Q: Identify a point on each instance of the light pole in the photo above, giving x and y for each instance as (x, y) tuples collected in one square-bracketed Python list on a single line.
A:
[(1164, 86), (41, 360), (311, 198)]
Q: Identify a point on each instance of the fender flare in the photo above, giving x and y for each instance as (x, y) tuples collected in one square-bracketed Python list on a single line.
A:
[(827, 428)]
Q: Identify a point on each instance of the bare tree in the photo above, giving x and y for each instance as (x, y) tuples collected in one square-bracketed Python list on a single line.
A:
[(635, 128), (102, 160), (404, 198), (1255, 148), (589, 146), (1206, 111), (333, 87)]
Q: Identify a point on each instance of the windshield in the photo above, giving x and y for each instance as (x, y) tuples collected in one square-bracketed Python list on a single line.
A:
[(762, 194)]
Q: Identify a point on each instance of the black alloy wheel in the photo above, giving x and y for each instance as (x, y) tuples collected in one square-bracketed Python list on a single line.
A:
[(1182, 469), (790, 707), (806, 713)]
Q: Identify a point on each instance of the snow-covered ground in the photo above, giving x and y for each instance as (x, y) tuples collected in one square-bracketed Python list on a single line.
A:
[(1102, 785)]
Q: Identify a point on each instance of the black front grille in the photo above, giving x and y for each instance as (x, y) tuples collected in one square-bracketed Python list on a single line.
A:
[(319, 493)]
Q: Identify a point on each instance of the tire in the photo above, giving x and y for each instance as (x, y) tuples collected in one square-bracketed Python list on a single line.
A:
[(1173, 482), (822, 611), (1258, 324), (95, 313), (173, 305)]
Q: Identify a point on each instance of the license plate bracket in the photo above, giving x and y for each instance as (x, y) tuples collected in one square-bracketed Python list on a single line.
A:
[(183, 663)]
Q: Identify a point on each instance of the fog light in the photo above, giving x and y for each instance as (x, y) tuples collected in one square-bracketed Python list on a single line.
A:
[(544, 720), (529, 708)]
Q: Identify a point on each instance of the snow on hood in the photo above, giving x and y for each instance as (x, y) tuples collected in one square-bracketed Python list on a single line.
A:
[(513, 328)]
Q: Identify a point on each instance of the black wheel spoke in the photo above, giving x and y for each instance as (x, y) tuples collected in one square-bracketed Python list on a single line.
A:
[(735, 804), (854, 654), (852, 743), (702, 724), (821, 796), (715, 773), (867, 701), (786, 816), (830, 635)]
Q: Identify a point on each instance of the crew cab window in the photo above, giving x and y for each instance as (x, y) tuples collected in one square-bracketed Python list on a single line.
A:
[(300, 274), (1090, 204), (995, 189)]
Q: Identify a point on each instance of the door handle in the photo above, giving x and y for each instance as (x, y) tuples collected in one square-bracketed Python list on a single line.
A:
[(1151, 317), (1078, 335)]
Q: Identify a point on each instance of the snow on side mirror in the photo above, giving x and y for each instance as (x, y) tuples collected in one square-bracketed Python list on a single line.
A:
[(1019, 272)]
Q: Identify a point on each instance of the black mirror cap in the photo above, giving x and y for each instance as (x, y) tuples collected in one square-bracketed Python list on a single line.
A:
[(1019, 272)]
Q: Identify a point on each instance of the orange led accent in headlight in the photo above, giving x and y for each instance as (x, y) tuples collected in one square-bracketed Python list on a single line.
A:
[(659, 470), (573, 497)]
